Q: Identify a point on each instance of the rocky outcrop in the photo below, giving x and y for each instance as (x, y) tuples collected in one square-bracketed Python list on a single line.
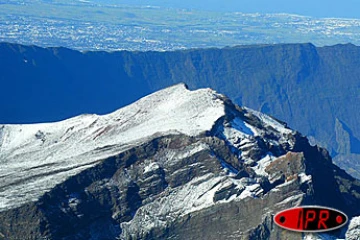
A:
[(121, 196), (228, 181)]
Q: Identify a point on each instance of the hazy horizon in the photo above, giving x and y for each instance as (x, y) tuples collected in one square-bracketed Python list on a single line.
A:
[(320, 8)]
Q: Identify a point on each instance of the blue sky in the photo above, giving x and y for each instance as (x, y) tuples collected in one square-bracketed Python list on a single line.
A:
[(315, 8)]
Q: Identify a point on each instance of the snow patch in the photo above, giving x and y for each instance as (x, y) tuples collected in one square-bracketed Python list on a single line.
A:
[(320, 236), (253, 191), (353, 232), (151, 167), (304, 178), (193, 149), (261, 165)]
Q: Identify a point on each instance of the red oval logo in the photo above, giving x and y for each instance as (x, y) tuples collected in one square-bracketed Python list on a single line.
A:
[(310, 219)]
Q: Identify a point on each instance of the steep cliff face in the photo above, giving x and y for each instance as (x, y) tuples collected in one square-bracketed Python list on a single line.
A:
[(177, 164), (312, 89)]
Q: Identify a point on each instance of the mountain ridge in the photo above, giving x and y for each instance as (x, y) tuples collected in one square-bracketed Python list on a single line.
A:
[(225, 176), (306, 86)]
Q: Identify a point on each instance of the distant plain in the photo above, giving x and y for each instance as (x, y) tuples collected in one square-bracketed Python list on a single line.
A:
[(94, 25)]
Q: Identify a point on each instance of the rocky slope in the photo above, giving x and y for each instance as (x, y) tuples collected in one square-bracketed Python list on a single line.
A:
[(177, 164), (314, 89)]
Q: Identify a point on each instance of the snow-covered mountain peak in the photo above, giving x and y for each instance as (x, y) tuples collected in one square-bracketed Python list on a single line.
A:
[(175, 156), (67, 147), (174, 108)]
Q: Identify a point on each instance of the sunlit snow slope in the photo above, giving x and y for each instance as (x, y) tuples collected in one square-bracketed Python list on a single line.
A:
[(36, 157)]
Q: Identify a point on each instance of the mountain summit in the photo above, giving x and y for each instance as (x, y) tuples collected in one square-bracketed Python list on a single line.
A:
[(51, 152), (177, 164)]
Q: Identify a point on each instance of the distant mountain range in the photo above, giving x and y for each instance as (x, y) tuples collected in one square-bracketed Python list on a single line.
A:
[(177, 164), (314, 89)]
